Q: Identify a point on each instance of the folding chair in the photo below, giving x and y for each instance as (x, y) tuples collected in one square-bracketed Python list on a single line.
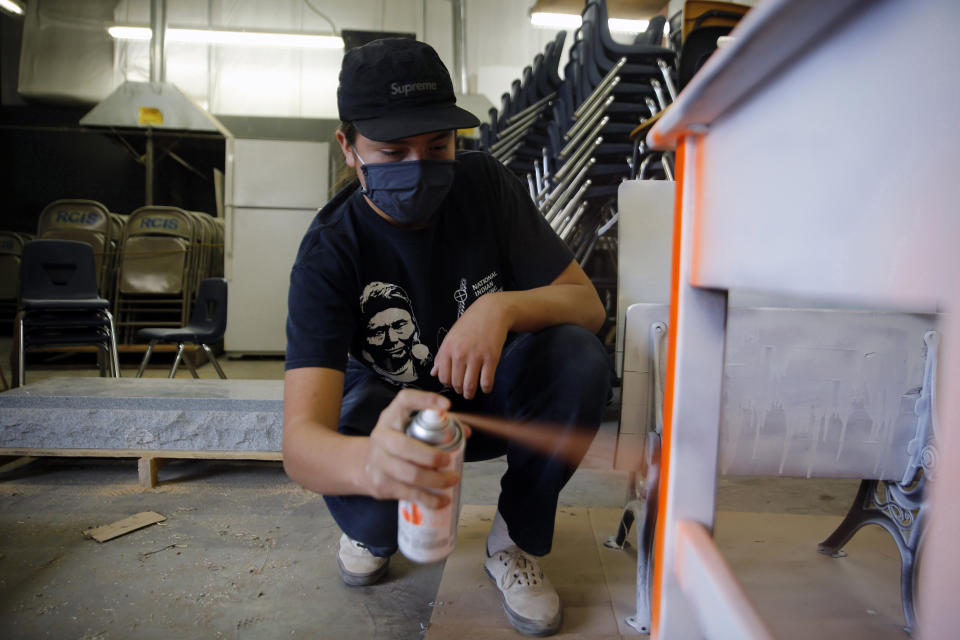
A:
[(11, 257), (85, 221), (155, 275), (60, 304), (208, 322)]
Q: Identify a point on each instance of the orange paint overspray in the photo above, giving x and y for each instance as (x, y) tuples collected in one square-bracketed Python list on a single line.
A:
[(668, 390)]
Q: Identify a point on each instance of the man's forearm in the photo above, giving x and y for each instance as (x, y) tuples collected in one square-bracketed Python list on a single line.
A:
[(322, 460), (554, 304)]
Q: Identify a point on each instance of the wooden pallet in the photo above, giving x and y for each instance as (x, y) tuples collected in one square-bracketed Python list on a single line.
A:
[(148, 462)]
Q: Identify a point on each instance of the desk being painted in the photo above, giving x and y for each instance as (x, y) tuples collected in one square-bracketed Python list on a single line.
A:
[(149, 419)]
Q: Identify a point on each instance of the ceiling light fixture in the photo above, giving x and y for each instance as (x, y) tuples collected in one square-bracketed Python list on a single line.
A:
[(296, 40), (555, 20), (548, 20), (12, 6), (622, 25)]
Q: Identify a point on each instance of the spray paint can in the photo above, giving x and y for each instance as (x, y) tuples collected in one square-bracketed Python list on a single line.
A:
[(429, 535)]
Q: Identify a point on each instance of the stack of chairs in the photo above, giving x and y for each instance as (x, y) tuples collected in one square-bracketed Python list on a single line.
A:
[(11, 260), (86, 221), (165, 253), (60, 304), (516, 134), (695, 29), (693, 34), (610, 89), (148, 265), (208, 261), (578, 149)]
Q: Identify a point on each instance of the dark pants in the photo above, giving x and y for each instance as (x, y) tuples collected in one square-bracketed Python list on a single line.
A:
[(558, 378)]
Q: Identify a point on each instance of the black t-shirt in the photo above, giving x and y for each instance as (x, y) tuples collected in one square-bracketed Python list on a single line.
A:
[(388, 296)]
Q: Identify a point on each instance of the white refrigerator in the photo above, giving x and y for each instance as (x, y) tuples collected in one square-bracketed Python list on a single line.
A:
[(272, 191)]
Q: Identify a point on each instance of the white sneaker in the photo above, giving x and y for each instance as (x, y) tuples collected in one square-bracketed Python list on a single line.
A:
[(529, 600), (359, 567)]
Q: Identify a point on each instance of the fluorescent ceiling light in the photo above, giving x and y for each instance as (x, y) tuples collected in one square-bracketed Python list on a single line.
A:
[(12, 6), (572, 21), (555, 20), (121, 32), (628, 26), (225, 37)]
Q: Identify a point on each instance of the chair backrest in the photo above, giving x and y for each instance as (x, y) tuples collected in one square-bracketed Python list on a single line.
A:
[(552, 61), (84, 221), (646, 53), (216, 267), (11, 243), (11, 256), (58, 270), (654, 33), (210, 308), (160, 221), (157, 252)]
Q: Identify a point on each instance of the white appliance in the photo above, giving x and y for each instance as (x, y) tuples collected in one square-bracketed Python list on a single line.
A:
[(272, 191)]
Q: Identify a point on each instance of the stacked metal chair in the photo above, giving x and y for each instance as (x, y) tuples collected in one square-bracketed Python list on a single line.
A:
[(574, 147), (208, 255), (85, 221), (155, 276), (149, 264), (60, 304), (516, 134), (11, 260), (694, 32)]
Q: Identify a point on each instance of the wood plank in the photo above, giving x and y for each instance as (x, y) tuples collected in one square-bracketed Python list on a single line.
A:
[(143, 453), (147, 469), (9, 463), (148, 462), (121, 527)]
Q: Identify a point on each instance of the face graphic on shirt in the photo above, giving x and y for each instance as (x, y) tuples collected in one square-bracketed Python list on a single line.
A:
[(389, 336), (391, 339)]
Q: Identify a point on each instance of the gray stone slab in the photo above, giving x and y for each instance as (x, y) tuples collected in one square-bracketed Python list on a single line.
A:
[(143, 414)]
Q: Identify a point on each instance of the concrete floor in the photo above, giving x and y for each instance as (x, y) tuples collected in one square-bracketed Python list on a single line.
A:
[(244, 552)]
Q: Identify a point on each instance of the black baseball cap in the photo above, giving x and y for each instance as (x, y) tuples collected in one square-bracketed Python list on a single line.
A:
[(395, 88)]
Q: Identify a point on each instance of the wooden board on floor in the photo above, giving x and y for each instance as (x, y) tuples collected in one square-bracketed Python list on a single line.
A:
[(125, 526), (799, 592)]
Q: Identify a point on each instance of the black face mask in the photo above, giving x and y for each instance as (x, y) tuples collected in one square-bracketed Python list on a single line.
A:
[(409, 191)]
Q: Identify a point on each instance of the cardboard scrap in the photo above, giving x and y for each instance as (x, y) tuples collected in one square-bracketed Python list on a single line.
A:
[(121, 527)]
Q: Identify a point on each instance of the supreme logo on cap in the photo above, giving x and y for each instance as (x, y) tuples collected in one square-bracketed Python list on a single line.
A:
[(410, 88)]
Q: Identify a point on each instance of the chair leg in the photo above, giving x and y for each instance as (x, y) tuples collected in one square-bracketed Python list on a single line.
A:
[(146, 359), (114, 356), (103, 362), (643, 511), (902, 514), (193, 369), (176, 362), (17, 377), (213, 361)]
